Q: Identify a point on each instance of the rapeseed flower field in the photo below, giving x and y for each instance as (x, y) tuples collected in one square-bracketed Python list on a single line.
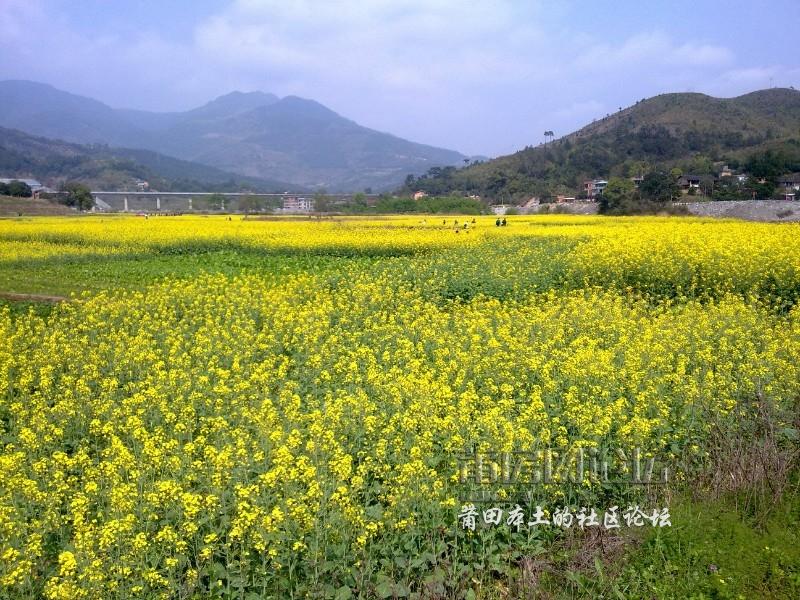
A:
[(286, 424)]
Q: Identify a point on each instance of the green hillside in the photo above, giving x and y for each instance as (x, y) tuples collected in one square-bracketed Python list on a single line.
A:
[(101, 167), (690, 131)]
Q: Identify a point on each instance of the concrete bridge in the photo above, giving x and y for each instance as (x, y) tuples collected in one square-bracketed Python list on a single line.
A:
[(195, 201)]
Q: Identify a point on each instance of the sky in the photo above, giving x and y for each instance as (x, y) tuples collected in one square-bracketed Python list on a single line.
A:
[(481, 77)]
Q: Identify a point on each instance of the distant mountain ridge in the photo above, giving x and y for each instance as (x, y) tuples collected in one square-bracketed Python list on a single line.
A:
[(254, 134), (688, 130)]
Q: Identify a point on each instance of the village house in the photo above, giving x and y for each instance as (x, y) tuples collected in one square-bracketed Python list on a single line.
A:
[(500, 209), (594, 188), (689, 182), (36, 186), (295, 204), (420, 195), (789, 182)]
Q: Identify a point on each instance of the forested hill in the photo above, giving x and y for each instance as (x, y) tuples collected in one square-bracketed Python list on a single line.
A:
[(690, 131), (54, 162)]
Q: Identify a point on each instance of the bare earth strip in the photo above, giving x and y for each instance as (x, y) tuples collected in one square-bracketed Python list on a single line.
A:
[(32, 297)]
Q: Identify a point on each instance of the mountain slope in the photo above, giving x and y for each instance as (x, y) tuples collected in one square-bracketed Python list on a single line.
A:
[(253, 134), (301, 140), (687, 130), (41, 109), (101, 167)]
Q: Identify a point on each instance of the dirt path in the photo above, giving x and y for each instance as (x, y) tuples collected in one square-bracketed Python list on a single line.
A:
[(32, 297)]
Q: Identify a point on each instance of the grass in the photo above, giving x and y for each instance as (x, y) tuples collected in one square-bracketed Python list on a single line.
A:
[(63, 276), (711, 551)]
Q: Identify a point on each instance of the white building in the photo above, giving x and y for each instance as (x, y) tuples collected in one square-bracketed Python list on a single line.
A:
[(594, 188), (297, 204), (500, 209)]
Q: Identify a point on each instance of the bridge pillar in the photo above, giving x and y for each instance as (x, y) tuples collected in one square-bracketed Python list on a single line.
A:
[(158, 202), (190, 204), (126, 205)]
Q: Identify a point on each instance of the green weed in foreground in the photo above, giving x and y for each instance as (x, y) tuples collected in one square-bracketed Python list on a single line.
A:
[(709, 552)]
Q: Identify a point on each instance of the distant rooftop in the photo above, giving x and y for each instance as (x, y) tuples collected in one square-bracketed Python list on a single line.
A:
[(32, 183)]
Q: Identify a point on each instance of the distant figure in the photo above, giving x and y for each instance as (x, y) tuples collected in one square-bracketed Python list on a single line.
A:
[(497, 223), (465, 224), (444, 221), (504, 221), (473, 220)]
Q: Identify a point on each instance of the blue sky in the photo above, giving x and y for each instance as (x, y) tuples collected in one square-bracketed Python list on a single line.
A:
[(481, 77)]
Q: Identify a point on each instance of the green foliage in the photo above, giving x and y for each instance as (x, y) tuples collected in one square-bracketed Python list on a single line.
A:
[(250, 204), (709, 552), (18, 189), (729, 188), (619, 197), (454, 205), (769, 165), (77, 195), (760, 190), (656, 190), (659, 187), (322, 202)]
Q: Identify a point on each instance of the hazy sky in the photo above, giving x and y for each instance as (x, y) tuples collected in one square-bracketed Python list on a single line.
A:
[(477, 76)]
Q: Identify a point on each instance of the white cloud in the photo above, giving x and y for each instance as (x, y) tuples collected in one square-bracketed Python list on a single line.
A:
[(579, 109), (653, 50), (396, 44)]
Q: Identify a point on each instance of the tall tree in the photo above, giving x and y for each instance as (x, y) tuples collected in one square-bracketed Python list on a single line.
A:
[(78, 195), (659, 187), (322, 202), (19, 189), (619, 196)]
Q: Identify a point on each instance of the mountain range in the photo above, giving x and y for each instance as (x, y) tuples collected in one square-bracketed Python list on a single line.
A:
[(255, 135), (693, 132), (262, 142)]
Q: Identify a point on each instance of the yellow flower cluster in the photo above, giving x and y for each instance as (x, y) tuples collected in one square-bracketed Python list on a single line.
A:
[(204, 435)]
